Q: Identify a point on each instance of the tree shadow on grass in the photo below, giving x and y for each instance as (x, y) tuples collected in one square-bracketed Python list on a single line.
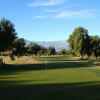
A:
[(61, 91), (42, 66)]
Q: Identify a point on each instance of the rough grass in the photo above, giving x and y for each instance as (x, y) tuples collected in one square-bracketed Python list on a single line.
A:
[(22, 60), (63, 80)]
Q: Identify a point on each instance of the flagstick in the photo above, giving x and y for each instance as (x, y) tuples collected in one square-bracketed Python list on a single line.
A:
[(46, 65)]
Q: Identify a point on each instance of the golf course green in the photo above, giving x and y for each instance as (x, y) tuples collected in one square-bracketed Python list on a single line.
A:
[(51, 78)]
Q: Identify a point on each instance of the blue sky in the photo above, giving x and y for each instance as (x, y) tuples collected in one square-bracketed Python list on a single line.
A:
[(49, 20)]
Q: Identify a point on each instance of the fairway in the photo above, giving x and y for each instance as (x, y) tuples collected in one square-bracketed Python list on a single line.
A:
[(64, 79)]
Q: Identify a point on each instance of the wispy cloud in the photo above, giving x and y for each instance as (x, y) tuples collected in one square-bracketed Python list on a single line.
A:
[(64, 9), (45, 3), (85, 13), (68, 14), (59, 9)]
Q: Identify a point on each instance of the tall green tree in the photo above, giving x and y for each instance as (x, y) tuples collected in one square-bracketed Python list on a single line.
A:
[(51, 50), (95, 45), (19, 45), (79, 41), (42, 51), (86, 46), (34, 48), (63, 52), (7, 34), (30, 49)]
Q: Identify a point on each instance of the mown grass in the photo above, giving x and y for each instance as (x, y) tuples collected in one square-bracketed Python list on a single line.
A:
[(57, 58), (63, 80)]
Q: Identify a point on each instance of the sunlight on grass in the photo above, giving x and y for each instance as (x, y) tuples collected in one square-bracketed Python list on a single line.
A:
[(52, 76), (63, 79)]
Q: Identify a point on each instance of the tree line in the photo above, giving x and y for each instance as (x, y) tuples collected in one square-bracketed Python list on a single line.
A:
[(83, 44), (80, 43), (12, 45)]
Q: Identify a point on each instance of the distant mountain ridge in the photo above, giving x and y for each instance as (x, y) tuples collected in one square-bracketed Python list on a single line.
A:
[(61, 44)]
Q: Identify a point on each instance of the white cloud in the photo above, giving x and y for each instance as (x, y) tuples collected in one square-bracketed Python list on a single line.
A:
[(68, 14), (85, 13), (45, 3), (58, 9)]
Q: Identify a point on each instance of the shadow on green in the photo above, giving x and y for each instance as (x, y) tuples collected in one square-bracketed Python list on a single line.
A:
[(42, 66), (67, 91)]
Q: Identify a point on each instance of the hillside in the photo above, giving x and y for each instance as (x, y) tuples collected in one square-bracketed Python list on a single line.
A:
[(61, 44)]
